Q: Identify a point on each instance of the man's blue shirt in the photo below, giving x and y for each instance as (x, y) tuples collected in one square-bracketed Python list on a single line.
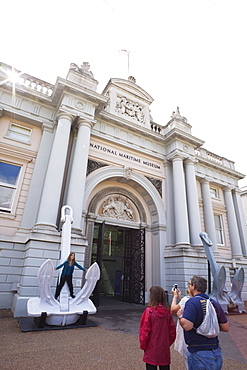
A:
[(193, 312)]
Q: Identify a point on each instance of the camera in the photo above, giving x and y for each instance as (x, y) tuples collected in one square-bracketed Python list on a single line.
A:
[(175, 286)]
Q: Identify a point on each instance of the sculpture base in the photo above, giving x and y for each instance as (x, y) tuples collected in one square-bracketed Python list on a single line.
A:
[(27, 324), (62, 320)]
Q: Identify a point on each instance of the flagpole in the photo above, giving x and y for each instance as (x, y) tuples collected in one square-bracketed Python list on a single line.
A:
[(126, 51)]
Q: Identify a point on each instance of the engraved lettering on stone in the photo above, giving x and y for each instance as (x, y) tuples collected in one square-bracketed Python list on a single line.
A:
[(130, 109)]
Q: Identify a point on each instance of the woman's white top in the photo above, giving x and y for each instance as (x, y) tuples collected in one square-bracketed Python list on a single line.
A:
[(179, 344)]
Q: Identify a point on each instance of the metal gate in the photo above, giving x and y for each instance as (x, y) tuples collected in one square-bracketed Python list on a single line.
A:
[(134, 266), (97, 257), (133, 263)]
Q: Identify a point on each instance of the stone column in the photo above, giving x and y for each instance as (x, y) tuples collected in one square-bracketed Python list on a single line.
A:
[(193, 205), (240, 220), (180, 204), (77, 179), (209, 214), (232, 224), (31, 209), (169, 204), (49, 203)]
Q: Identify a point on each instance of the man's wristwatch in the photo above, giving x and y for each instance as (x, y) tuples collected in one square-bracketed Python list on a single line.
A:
[(180, 317)]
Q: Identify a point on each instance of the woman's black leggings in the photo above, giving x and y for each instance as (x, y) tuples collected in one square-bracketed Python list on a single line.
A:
[(63, 279), (153, 367)]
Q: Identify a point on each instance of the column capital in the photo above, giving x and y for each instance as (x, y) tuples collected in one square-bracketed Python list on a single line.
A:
[(167, 162), (204, 181), (177, 157), (65, 115), (228, 188), (237, 191), (189, 160), (47, 127), (85, 122)]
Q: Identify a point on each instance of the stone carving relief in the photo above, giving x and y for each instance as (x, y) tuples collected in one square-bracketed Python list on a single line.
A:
[(130, 109), (79, 105), (83, 69), (128, 172), (95, 206), (93, 165), (157, 184), (178, 115), (119, 207)]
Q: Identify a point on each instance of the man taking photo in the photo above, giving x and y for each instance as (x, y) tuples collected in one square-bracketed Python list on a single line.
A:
[(203, 353)]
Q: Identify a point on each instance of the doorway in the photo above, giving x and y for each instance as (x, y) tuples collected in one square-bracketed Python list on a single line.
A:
[(120, 254)]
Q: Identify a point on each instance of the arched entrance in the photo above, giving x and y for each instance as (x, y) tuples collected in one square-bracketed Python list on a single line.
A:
[(120, 253), (139, 195)]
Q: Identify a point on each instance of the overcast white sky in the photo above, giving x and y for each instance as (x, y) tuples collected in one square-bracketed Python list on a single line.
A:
[(186, 53)]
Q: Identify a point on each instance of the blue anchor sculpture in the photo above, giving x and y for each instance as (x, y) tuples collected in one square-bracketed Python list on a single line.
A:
[(219, 292)]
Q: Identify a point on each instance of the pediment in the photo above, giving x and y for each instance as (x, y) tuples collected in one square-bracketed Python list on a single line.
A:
[(129, 101), (128, 87)]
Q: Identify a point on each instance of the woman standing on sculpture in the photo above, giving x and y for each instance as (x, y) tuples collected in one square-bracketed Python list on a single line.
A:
[(67, 273), (157, 331)]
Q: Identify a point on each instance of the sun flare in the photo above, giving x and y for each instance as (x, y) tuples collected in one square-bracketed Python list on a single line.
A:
[(12, 75)]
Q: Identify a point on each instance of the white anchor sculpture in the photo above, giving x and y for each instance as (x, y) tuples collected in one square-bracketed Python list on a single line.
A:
[(68, 310)]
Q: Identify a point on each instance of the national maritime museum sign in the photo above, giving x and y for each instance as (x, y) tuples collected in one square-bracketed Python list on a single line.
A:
[(115, 152)]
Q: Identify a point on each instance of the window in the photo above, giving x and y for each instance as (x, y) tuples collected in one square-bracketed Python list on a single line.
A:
[(9, 175), (20, 133), (218, 229), (214, 193)]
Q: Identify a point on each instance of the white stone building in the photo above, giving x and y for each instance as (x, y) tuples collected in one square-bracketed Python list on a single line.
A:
[(244, 201), (140, 192)]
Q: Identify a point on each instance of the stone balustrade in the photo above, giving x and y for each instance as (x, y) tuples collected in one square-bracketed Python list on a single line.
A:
[(214, 158), (36, 84), (156, 128)]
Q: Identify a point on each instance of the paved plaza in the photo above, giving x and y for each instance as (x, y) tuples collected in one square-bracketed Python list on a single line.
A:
[(111, 345)]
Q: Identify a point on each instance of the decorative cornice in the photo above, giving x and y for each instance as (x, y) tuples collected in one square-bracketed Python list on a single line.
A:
[(176, 133)]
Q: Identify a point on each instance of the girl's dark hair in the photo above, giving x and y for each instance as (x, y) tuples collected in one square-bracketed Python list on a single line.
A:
[(157, 295), (69, 257)]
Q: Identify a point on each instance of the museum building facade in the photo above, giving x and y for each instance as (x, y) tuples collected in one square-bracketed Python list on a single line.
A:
[(140, 192)]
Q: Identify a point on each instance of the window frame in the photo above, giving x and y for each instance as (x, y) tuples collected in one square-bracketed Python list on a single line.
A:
[(214, 192), (11, 210), (17, 125), (15, 186), (219, 231)]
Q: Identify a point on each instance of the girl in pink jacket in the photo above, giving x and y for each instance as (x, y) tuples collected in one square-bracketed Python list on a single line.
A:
[(157, 331)]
